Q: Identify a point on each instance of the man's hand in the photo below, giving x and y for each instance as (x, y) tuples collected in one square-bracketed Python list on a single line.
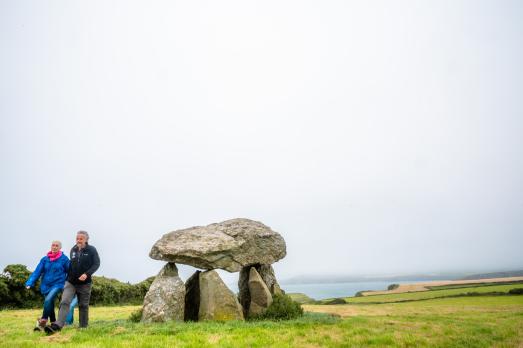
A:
[(83, 277), (28, 287)]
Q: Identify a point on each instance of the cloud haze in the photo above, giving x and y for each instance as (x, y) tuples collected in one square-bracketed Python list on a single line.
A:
[(376, 136)]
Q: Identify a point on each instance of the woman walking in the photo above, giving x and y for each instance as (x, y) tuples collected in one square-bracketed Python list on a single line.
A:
[(53, 269)]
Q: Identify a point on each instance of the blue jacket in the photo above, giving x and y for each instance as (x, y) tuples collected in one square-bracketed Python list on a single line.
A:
[(53, 273)]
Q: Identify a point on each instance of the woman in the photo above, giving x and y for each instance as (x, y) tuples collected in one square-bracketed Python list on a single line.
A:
[(53, 270)]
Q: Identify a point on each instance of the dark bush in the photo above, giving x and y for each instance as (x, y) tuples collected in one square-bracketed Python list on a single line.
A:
[(4, 288), (105, 291), (282, 308), (13, 291), (516, 291), (473, 293), (393, 286), (136, 316), (336, 301)]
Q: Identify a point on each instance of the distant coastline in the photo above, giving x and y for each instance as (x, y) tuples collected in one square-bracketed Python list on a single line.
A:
[(312, 279), (322, 287), (330, 279)]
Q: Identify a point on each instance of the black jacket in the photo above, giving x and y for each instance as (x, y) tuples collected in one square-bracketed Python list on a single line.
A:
[(83, 261)]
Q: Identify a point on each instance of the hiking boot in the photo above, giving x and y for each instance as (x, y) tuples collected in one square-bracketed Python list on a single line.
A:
[(40, 324), (52, 329)]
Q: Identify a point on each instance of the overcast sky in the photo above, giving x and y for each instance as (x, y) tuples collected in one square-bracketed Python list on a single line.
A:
[(378, 137)]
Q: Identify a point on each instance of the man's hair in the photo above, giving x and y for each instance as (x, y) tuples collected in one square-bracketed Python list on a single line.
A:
[(57, 242), (84, 233)]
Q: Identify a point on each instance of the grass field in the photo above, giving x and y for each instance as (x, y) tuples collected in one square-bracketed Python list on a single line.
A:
[(425, 286), (301, 298), (423, 295), (460, 286), (484, 321)]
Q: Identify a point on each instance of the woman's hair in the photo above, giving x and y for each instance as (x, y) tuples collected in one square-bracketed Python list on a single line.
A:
[(58, 242), (84, 233)]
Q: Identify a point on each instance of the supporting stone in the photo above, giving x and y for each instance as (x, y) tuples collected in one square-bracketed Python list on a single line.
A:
[(165, 299), (208, 298), (243, 290), (192, 297), (261, 297), (266, 272)]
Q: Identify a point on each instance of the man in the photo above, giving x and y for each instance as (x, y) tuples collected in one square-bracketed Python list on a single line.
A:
[(84, 262)]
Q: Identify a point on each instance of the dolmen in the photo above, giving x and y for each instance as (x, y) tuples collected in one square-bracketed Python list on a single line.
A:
[(237, 245)]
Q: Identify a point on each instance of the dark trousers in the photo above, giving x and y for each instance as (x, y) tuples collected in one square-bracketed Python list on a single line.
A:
[(83, 292)]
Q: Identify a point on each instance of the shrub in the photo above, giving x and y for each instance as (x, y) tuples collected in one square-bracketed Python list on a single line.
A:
[(336, 301), (4, 288), (516, 291), (393, 286), (136, 316), (12, 288), (105, 291), (472, 293), (282, 308)]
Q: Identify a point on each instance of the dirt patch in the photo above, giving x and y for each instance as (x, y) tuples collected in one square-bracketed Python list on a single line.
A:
[(348, 310), (118, 330), (57, 338), (213, 339)]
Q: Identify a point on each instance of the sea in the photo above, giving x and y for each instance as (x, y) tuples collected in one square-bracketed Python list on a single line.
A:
[(319, 291), (329, 290)]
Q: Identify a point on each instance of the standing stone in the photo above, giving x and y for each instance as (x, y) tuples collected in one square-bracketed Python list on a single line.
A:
[(261, 297), (276, 290), (165, 299), (192, 297), (266, 272), (217, 302), (243, 290), (228, 245)]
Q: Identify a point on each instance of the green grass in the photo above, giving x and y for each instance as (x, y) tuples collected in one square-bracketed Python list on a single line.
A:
[(301, 298), (424, 295), (459, 286), (485, 321)]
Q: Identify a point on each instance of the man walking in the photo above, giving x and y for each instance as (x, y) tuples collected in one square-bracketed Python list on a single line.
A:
[(84, 262)]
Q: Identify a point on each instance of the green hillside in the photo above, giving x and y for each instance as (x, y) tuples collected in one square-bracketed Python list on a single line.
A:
[(424, 295)]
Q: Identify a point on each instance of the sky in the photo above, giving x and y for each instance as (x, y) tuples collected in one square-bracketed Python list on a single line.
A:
[(377, 137)]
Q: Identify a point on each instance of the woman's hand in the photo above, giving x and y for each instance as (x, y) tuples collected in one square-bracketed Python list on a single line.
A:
[(28, 287)]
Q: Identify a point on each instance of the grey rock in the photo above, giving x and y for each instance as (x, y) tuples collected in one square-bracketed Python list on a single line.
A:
[(217, 302), (261, 297), (165, 299), (266, 272), (192, 297), (229, 245), (276, 290), (244, 295)]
